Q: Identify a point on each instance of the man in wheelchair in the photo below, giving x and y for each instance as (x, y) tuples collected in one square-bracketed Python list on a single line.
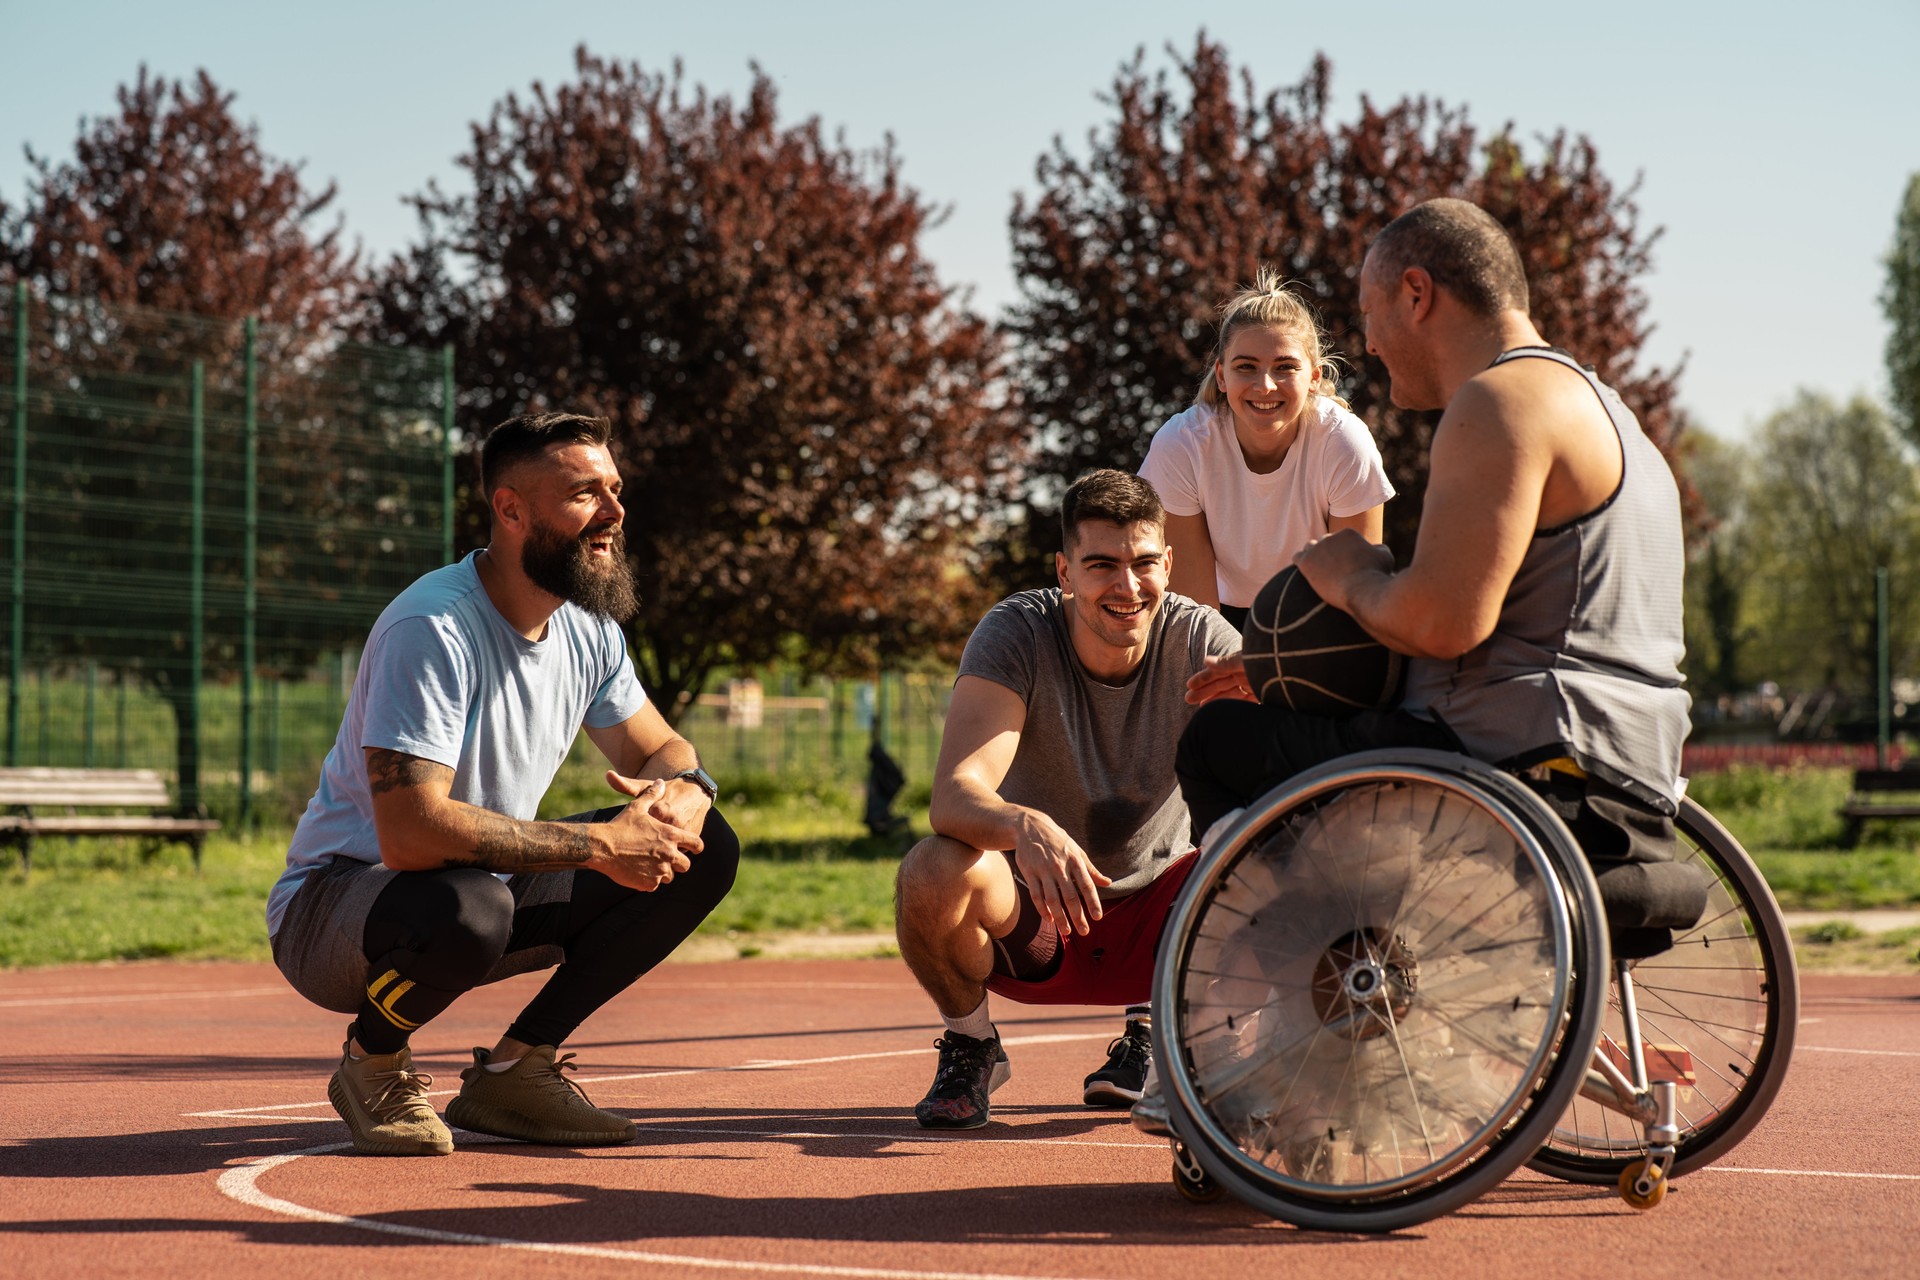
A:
[(1541, 609)]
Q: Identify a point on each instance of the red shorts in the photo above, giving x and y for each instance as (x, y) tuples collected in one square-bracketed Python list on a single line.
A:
[(1111, 965)]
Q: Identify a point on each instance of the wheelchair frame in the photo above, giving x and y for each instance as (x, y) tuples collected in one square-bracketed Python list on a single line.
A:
[(1424, 1046)]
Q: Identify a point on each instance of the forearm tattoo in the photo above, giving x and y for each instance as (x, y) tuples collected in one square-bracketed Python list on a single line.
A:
[(393, 770), (496, 842), (501, 843)]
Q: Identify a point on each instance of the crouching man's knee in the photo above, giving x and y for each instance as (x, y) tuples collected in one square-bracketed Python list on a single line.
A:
[(943, 885)]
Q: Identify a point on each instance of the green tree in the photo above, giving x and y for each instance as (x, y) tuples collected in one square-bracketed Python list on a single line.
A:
[(1901, 298), (1717, 631), (1835, 495)]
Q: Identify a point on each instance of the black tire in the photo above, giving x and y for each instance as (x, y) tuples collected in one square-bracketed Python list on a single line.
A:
[(1407, 1024), (1728, 994)]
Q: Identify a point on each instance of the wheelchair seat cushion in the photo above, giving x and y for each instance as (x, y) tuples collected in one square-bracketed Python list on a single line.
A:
[(1632, 848)]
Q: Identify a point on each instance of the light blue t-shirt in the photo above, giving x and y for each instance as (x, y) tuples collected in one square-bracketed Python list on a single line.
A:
[(445, 677)]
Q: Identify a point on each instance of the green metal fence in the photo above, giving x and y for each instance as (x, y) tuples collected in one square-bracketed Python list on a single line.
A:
[(201, 519)]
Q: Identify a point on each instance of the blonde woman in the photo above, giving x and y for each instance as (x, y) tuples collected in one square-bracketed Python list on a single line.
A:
[(1267, 459)]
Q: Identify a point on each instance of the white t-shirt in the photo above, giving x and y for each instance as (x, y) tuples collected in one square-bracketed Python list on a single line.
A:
[(446, 678), (1257, 522)]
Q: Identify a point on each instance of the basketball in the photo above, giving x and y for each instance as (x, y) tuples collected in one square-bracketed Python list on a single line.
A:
[(1303, 653)]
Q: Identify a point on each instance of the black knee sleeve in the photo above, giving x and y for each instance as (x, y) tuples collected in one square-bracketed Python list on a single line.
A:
[(430, 937)]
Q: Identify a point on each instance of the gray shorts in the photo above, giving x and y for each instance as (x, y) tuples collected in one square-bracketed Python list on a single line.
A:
[(318, 947)]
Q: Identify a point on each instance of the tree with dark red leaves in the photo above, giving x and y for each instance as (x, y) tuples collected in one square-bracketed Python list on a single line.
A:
[(806, 423), (172, 204), (1125, 253)]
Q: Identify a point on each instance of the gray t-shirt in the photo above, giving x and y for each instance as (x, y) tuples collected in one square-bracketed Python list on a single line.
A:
[(1098, 758)]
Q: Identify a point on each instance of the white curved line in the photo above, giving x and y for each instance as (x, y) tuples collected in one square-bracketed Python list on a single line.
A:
[(241, 1183)]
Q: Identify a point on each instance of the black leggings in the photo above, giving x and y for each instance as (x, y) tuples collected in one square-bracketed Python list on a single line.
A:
[(1232, 752), (431, 936)]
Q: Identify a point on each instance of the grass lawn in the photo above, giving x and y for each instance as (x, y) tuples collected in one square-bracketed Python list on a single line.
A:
[(809, 867)]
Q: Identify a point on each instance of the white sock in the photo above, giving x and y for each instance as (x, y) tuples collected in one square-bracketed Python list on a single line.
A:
[(508, 1065), (977, 1024), (1141, 1013)]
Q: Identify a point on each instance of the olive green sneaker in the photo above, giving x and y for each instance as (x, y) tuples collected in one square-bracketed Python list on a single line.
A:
[(384, 1102), (534, 1102)]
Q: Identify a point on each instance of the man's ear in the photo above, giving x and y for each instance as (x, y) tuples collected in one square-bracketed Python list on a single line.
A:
[(1060, 571), (1419, 286), (509, 508)]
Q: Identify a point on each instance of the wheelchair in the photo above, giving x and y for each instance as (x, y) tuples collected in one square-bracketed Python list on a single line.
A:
[(1389, 985)]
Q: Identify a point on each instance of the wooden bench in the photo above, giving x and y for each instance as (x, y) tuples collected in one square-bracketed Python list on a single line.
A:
[(45, 802), (1880, 793)]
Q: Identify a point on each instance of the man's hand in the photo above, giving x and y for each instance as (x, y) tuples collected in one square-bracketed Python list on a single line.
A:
[(1220, 678), (1333, 564), (673, 800), (647, 849), (1064, 883)]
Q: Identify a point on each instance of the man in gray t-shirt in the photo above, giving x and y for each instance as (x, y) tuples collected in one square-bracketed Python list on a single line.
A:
[(1060, 838)]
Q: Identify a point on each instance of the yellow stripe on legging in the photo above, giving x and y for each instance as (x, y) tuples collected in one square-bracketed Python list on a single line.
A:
[(386, 1006)]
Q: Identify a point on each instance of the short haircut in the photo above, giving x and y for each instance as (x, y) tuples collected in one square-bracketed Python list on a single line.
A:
[(1465, 251), (1113, 496), (531, 434)]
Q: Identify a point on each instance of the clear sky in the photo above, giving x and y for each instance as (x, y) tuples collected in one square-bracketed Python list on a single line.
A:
[(1774, 141)]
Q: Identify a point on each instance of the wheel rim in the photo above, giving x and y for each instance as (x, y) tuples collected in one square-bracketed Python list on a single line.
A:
[(1721, 1000), (1370, 1037)]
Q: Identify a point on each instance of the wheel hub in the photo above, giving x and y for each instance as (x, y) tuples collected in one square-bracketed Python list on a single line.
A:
[(1365, 983)]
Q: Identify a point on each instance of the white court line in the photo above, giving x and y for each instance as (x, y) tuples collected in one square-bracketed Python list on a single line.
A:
[(128, 997), (241, 1183), (1870, 1053), (1809, 1173), (143, 997), (672, 985), (759, 1064), (912, 1135)]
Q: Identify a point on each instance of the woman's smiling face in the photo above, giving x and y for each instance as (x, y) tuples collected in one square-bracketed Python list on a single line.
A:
[(1266, 378)]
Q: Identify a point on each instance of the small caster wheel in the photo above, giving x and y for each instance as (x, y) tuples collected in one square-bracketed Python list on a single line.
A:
[(1642, 1184), (1195, 1185)]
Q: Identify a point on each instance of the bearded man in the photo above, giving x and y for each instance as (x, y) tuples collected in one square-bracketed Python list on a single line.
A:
[(418, 873)]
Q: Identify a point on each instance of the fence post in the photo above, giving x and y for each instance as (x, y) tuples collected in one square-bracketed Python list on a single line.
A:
[(1882, 668), (17, 632), (250, 598), (196, 592), (446, 454), (90, 715)]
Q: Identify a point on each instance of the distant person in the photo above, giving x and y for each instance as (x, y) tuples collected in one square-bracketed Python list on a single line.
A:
[(417, 872), (1060, 839), (1268, 457), (1542, 606)]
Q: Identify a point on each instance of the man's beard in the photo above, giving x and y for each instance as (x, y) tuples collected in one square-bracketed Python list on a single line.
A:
[(565, 567)]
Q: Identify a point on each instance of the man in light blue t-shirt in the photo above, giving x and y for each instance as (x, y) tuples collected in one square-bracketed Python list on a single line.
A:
[(418, 873)]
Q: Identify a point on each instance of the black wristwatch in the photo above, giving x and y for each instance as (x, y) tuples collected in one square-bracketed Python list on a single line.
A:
[(701, 779)]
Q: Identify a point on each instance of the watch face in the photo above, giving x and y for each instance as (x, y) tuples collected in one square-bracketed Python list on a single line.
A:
[(700, 779)]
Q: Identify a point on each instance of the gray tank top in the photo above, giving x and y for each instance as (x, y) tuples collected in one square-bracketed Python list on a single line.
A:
[(1585, 659)]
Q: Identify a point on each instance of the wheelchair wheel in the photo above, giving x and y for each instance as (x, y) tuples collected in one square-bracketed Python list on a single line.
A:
[(1379, 991), (1717, 1013)]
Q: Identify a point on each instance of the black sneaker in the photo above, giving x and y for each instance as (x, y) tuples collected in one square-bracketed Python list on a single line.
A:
[(1124, 1078), (970, 1070)]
